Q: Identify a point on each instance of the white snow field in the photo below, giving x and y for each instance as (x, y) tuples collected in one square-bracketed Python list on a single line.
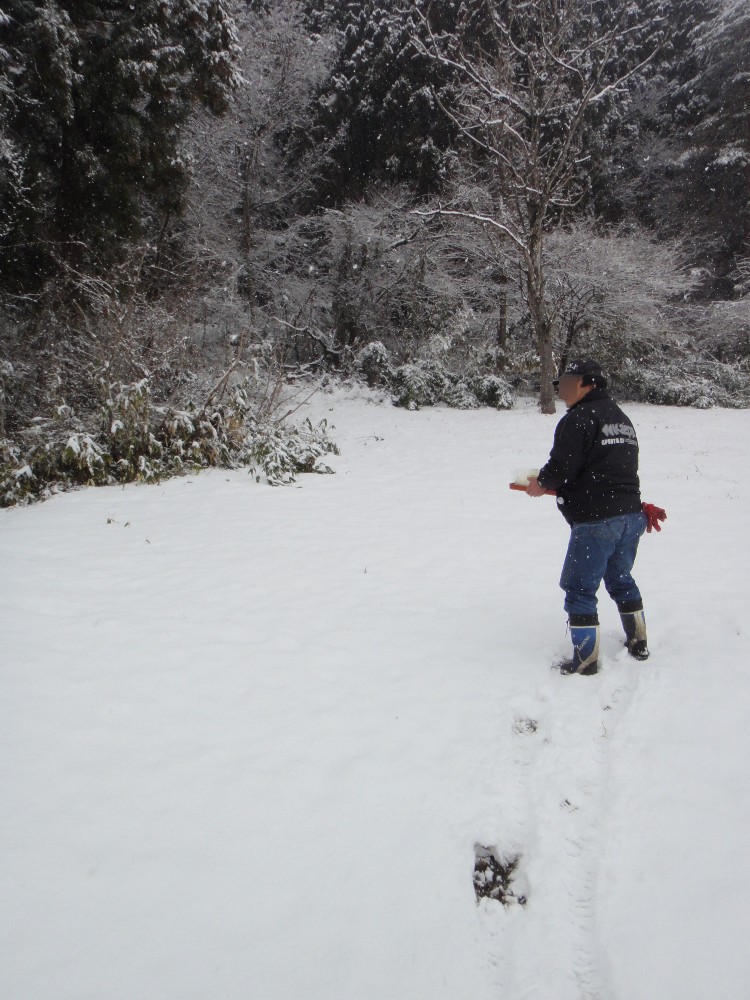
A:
[(250, 737)]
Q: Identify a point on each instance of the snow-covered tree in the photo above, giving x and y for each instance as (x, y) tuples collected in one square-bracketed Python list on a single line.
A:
[(622, 288), (101, 91), (680, 157), (11, 154), (713, 106), (244, 195), (528, 86), (377, 113)]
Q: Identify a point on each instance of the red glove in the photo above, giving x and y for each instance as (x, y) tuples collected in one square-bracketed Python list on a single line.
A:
[(653, 516)]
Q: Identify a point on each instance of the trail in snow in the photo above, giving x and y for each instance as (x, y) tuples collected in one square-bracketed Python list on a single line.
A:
[(250, 741), (560, 775)]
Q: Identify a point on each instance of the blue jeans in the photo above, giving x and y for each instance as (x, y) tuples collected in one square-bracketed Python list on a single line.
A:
[(601, 550)]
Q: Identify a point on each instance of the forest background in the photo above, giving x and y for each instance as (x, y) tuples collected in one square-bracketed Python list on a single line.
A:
[(203, 202)]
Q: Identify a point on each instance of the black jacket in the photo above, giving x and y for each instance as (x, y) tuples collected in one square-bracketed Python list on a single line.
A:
[(593, 464)]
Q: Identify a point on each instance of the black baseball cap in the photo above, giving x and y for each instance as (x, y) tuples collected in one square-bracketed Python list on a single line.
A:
[(587, 369)]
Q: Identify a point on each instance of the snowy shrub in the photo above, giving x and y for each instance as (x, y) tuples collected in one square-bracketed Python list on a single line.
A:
[(16, 477), (280, 453), (132, 439), (702, 384), (84, 460), (424, 383), (196, 439), (492, 390), (127, 430), (420, 383), (52, 452), (374, 362), (459, 395)]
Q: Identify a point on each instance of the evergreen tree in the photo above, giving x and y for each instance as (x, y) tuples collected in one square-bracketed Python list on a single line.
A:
[(678, 158), (378, 113), (323, 15), (100, 92), (711, 106)]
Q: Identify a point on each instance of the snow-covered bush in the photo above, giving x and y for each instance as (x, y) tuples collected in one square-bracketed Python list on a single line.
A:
[(52, 453), (419, 383), (702, 384), (280, 453), (128, 432), (16, 477), (492, 390), (84, 459), (132, 439), (427, 382), (459, 395), (374, 362)]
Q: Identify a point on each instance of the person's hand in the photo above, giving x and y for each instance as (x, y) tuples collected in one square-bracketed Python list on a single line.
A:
[(534, 489)]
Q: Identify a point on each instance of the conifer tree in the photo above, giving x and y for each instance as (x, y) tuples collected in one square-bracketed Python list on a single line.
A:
[(101, 89), (711, 103), (378, 112), (678, 158)]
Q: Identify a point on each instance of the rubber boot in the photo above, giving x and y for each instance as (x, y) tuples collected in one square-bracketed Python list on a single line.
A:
[(634, 624), (584, 631)]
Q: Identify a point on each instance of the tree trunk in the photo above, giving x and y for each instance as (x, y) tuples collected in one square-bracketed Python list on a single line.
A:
[(248, 168), (342, 306), (542, 329), (502, 323), (547, 390), (568, 347)]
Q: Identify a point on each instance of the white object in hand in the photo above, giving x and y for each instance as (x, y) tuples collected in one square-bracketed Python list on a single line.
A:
[(524, 475)]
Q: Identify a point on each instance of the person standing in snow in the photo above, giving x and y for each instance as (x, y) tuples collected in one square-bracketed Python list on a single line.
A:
[(593, 468)]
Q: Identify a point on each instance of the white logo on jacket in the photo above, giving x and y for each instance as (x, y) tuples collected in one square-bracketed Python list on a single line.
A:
[(618, 434)]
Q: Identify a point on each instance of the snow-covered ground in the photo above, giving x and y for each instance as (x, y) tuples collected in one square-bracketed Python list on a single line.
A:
[(250, 737)]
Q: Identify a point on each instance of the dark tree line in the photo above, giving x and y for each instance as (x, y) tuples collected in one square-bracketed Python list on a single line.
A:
[(94, 98)]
